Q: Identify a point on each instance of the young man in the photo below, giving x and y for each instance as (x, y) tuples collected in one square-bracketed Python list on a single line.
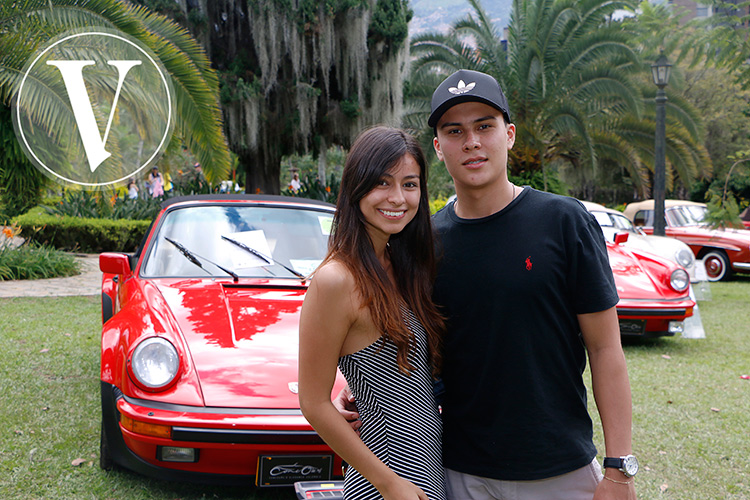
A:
[(526, 286)]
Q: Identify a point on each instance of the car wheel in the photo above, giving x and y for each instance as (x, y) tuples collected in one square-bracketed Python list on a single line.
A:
[(105, 458), (717, 265)]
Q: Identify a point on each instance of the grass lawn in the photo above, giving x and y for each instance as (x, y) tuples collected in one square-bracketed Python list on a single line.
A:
[(691, 408)]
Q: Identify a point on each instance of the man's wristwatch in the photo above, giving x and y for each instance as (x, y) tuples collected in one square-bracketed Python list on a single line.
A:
[(628, 464)]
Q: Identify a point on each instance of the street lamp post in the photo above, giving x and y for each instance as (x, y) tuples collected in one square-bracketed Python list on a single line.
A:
[(660, 71)]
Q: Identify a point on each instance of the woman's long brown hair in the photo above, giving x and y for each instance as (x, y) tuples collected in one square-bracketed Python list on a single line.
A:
[(373, 154)]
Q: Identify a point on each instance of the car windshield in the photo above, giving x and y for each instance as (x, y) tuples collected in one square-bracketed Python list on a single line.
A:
[(686, 215), (616, 221), (249, 240)]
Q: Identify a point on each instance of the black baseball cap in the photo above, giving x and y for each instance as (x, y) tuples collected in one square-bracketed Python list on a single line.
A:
[(466, 85)]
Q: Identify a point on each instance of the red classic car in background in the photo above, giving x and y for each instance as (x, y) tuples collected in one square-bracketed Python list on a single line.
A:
[(653, 291), (745, 217), (722, 251), (199, 343)]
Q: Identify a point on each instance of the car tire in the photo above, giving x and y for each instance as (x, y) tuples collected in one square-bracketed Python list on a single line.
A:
[(105, 458), (717, 265)]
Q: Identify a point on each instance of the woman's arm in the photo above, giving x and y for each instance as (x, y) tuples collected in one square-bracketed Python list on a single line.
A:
[(328, 314)]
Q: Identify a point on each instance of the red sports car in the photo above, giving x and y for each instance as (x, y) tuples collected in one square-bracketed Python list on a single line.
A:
[(199, 343), (654, 292)]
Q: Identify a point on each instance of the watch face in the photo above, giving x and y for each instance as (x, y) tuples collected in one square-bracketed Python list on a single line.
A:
[(630, 465)]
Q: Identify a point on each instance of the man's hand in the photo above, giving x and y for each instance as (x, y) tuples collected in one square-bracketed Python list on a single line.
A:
[(345, 405), (607, 490)]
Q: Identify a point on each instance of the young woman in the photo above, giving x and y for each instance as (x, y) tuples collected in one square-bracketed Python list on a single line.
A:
[(369, 311)]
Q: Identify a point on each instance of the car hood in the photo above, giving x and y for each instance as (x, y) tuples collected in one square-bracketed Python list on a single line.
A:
[(659, 245), (243, 340), (641, 276), (663, 246)]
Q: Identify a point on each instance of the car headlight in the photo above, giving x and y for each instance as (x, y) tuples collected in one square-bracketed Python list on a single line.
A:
[(155, 362), (685, 258), (679, 280)]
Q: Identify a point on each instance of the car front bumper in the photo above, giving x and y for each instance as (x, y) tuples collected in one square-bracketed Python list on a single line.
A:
[(228, 442), (648, 318)]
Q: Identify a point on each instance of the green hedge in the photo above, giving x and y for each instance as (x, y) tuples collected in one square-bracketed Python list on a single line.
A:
[(83, 235)]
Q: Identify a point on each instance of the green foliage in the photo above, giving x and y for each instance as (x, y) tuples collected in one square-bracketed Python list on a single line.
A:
[(439, 181), (25, 25), (315, 190), (83, 234), (579, 88), (20, 183), (307, 165), (190, 180), (437, 204), (390, 23), (566, 70), (721, 40), (87, 204), (723, 213), (309, 10), (33, 261), (350, 108), (234, 88), (543, 181)]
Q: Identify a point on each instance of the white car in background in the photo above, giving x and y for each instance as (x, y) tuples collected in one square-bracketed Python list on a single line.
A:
[(613, 222)]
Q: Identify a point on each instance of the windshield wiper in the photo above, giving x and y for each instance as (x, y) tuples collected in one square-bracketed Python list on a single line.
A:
[(263, 257), (195, 260)]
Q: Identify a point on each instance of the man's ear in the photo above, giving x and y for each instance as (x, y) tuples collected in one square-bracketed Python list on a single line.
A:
[(438, 151), (511, 130)]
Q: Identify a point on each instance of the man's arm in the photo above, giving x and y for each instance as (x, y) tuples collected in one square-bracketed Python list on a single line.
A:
[(611, 388)]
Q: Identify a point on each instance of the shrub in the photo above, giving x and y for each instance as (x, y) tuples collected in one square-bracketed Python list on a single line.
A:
[(314, 189), (31, 261), (83, 234), (437, 204), (34, 261), (94, 205)]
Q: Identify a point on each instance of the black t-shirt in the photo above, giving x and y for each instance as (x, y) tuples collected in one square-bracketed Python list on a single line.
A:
[(511, 285)]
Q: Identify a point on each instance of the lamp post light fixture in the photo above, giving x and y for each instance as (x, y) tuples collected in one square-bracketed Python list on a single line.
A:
[(660, 70)]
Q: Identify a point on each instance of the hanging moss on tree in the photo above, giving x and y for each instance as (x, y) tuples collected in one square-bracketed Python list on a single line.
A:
[(300, 75)]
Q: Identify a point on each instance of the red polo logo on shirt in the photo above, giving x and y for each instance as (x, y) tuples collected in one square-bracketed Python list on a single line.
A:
[(528, 263)]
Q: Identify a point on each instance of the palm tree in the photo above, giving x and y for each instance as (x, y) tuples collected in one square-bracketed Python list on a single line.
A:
[(562, 67), (574, 83), (26, 24)]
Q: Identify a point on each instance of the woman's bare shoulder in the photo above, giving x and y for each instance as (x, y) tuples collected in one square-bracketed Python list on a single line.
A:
[(332, 276)]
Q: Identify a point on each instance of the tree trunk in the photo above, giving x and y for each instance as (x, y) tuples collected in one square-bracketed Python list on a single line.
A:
[(261, 173), (322, 162)]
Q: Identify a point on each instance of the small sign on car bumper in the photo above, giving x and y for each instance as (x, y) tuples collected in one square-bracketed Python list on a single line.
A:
[(632, 326), (284, 470)]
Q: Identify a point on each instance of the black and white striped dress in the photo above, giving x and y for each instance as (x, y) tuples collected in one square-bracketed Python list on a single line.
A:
[(400, 420)]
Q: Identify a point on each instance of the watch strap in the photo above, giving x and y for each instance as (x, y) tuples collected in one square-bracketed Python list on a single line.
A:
[(613, 462)]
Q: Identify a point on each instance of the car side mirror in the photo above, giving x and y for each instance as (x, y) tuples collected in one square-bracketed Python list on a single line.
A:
[(114, 263), (621, 238)]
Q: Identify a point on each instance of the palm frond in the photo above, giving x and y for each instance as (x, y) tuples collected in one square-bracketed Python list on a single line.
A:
[(198, 121)]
